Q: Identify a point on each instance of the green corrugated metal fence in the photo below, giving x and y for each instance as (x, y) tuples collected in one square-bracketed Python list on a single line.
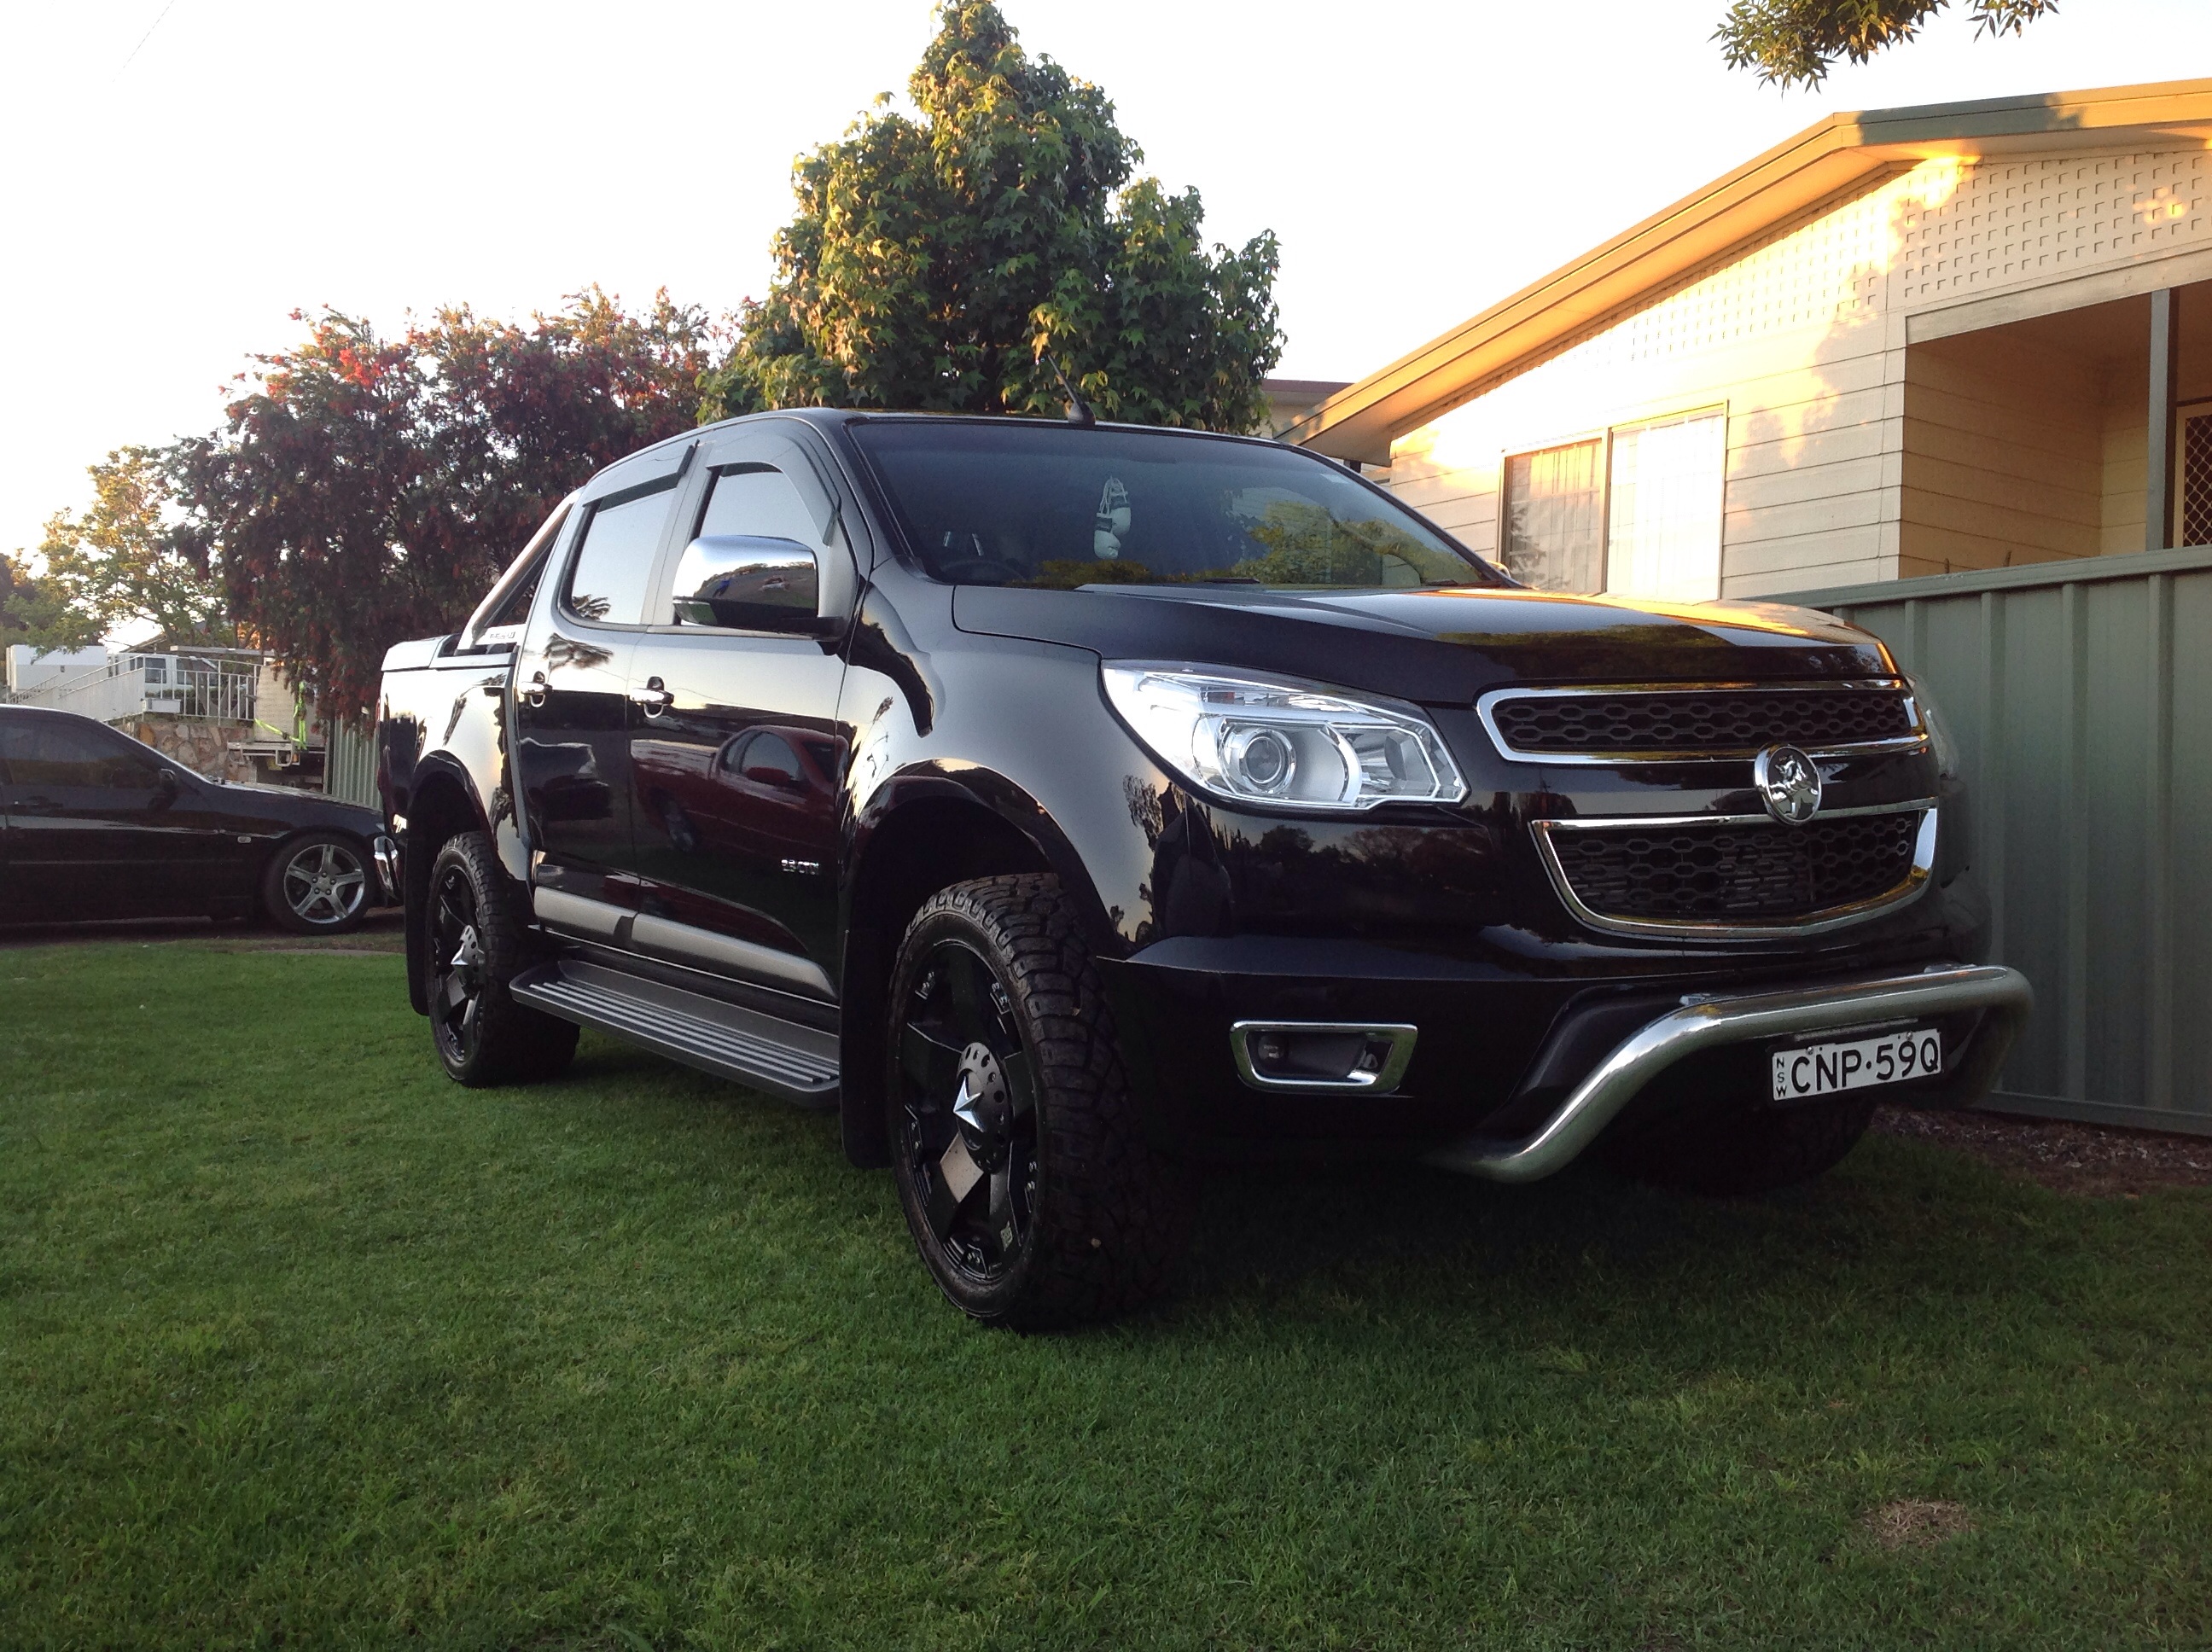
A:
[(2080, 695), (350, 764)]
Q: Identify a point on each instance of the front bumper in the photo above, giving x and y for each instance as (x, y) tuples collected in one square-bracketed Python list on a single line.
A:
[(1512, 1072), (1999, 997)]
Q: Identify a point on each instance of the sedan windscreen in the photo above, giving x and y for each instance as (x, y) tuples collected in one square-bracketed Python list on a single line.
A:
[(1045, 504)]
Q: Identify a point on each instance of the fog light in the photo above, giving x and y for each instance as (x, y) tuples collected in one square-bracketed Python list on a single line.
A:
[(1322, 1055)]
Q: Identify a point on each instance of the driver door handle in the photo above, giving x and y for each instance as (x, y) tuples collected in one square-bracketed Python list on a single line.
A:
[(533, 692), (653, 698), (33, 806)]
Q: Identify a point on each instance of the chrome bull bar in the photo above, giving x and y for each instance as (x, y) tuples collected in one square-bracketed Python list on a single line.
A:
[(1704, 1022)]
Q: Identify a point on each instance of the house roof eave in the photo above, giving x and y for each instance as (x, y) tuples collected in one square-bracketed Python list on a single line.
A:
[(1840, 155)]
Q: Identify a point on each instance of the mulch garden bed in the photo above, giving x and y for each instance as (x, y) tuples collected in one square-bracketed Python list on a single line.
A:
[(2098, 1160)]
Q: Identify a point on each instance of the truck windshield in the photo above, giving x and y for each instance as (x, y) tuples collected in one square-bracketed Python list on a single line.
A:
[(1042, 504)]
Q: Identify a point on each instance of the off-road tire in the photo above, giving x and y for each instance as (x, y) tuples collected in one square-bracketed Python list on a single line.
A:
[(505, 1043), (1112, 1215), (1756, 1151)]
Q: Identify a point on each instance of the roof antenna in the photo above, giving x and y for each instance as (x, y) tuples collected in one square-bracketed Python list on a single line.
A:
[(1078, 410)]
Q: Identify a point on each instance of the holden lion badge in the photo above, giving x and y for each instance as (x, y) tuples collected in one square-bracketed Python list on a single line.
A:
[(1789, 785)]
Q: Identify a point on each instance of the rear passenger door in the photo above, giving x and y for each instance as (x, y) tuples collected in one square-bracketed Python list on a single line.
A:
[(736, 751), (572, 710)]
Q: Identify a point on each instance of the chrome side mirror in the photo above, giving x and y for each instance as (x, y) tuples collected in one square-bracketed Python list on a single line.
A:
[(749, 582)]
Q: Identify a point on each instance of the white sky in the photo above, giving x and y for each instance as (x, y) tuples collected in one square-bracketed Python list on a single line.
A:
[(166, 212)]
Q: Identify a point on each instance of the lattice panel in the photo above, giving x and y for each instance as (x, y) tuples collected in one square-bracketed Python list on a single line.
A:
[(1964, 228), (1820, 274), (2197, 479), (1824, 273), (1947, 228)]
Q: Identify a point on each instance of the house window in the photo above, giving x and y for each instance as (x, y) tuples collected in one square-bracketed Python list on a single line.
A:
[(1663, 509), (1636, 512), (1553, 535)]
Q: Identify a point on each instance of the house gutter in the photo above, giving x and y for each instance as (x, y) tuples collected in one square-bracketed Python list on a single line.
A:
[(1831, 160)]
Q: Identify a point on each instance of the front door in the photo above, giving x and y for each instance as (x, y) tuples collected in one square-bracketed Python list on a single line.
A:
[(99, 827), (572, 708), (737, 756)]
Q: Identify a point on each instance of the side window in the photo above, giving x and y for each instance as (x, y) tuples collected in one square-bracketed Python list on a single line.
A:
[(41, 752), (757, 499), (607, 581), (769, 759), (128, 771), (825, 753), (502, 627)]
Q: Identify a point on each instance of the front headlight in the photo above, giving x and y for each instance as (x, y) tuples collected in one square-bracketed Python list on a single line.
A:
[(1282, 743), (1940, 738)]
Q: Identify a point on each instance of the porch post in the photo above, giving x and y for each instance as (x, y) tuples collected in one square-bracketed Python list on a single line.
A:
[(2165, 364)]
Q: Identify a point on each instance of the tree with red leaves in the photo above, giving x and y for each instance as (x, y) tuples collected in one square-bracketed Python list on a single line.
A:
[(366, 489)]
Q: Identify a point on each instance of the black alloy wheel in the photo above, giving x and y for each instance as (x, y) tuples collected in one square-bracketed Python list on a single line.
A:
[(967, 1137), (475, 941), (457, 975), (1027, 1185), (318, 884)]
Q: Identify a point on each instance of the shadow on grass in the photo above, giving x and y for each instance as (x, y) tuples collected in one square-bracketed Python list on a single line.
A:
[(1899, 1233), (1902, 1246)]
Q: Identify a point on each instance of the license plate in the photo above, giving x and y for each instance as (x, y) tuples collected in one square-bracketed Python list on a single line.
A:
[(1826, 1069)]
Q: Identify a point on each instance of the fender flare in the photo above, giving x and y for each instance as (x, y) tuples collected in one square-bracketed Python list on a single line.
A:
[(988, 789), (868, 946), (435, 774)]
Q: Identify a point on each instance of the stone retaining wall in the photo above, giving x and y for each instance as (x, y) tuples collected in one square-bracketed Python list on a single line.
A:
[(199, 744)]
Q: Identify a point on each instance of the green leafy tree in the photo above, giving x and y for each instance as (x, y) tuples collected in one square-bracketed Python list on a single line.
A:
[(934, 259), (1796, 42), (30, 612), (116, 566), (1310, 545), (365, 490)]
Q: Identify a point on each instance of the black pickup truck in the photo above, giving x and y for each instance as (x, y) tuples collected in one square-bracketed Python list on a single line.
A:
[(1068, 805)]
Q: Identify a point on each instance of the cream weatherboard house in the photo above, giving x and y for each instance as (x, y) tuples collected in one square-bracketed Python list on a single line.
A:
[(1914, 341), (1947, 372)]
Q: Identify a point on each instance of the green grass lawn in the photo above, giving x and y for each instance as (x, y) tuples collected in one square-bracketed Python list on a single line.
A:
[(300, 1344)]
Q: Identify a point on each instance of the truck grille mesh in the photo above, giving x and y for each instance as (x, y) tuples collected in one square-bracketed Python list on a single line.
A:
[(1714, 720), (1737, 873)]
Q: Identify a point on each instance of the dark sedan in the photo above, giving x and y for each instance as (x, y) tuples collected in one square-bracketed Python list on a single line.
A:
[(93, 824)]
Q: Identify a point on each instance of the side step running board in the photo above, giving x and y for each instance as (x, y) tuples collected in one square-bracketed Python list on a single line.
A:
[(797, 1063)]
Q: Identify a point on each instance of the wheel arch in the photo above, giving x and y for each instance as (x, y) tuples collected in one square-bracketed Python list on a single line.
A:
[(924, 832)]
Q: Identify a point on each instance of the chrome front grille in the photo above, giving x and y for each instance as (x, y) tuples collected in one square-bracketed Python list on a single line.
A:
[(1721, 720), (1739, 875)]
